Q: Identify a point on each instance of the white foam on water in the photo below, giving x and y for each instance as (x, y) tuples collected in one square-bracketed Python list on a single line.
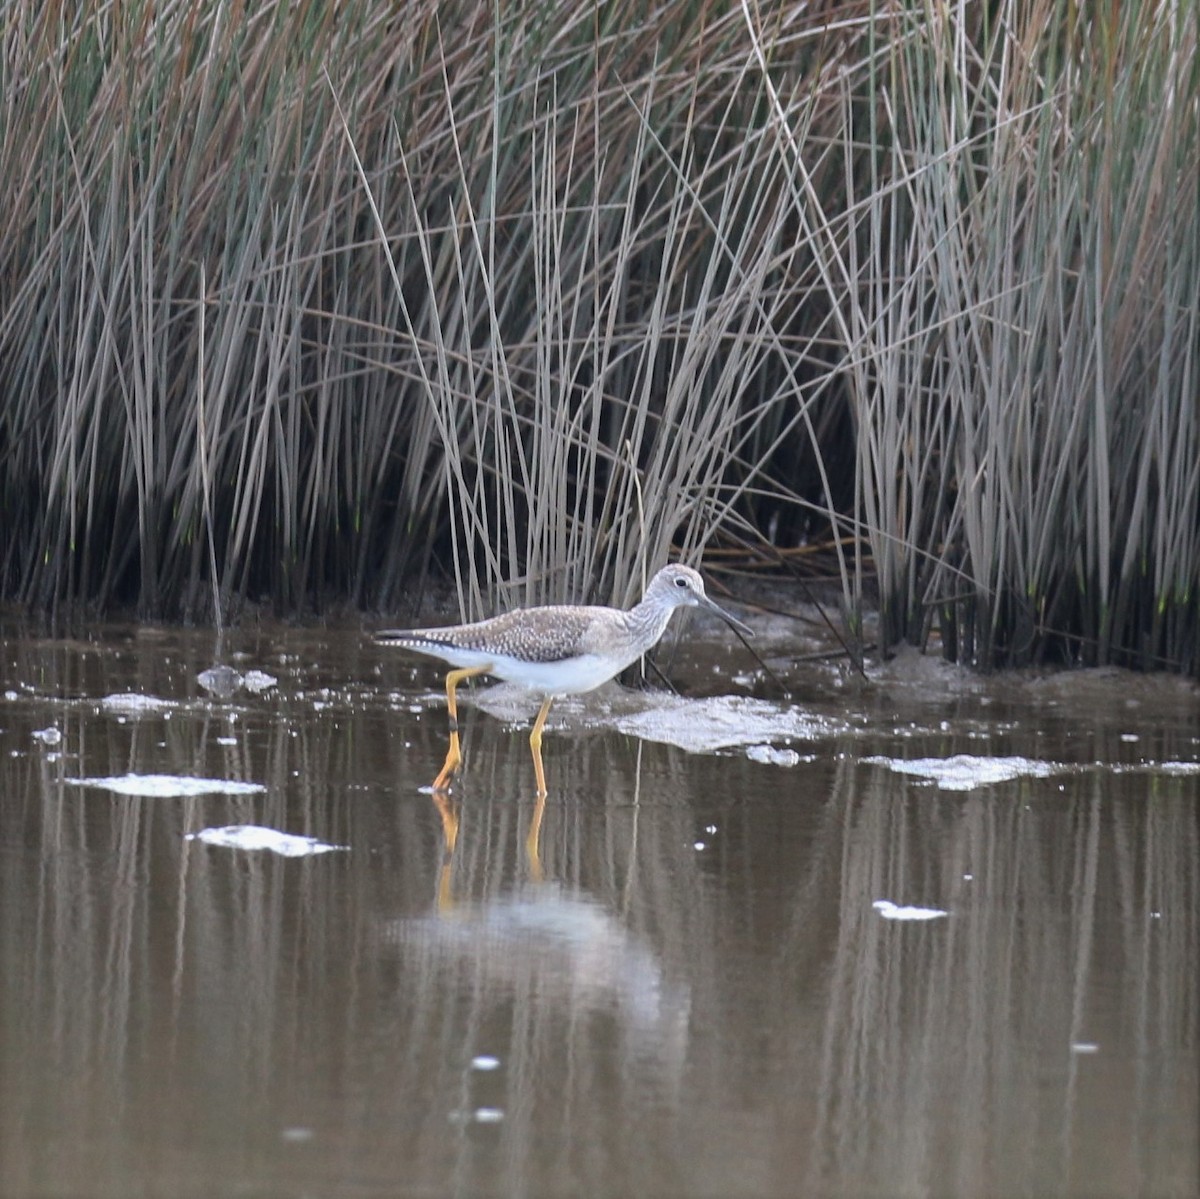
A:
[(965, 772), (892, 911), (134, 703), (1175, 767), (168, 786), (771, 756), (255, 838), (721, 722), (220, 681)]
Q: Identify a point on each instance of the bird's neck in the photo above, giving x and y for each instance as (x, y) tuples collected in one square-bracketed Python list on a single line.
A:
[(647, 622)]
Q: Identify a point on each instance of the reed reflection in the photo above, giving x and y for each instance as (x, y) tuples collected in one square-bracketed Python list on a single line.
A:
[(1042, 1038)]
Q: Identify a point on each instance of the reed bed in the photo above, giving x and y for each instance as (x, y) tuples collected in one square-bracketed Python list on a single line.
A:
[(309, 308), (1023, 344)]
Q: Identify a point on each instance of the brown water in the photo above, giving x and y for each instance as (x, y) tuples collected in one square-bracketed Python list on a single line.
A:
[(677, 986)]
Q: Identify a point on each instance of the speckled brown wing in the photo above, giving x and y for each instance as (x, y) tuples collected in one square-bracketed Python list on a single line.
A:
[(550, 634)]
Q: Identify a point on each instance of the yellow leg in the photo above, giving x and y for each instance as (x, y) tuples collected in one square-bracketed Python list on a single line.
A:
[(535, 744), (454, 753)]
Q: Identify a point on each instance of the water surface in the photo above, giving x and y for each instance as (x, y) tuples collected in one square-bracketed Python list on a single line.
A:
[(671, 978)]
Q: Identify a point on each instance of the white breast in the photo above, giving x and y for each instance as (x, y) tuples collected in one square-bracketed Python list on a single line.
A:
[(570, 677)]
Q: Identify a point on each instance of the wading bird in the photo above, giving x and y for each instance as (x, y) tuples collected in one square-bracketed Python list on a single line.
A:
[(561, 649)]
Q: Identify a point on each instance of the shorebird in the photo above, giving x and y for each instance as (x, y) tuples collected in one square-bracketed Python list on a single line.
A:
[(562, 649)]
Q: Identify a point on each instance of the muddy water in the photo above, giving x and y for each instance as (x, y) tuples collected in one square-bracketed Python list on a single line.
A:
[(678, 976)]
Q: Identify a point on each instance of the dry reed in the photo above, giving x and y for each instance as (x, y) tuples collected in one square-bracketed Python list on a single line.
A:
[(534, 300)]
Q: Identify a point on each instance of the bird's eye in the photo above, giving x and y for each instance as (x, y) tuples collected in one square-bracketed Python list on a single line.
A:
[(681, 582)]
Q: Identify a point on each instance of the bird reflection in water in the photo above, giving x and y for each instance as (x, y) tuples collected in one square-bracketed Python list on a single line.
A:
[(553, 950)]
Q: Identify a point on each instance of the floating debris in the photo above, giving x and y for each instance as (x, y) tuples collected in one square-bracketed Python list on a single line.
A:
[(50, 736)]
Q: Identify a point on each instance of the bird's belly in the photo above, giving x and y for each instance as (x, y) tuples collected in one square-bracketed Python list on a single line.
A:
[(568, 676)]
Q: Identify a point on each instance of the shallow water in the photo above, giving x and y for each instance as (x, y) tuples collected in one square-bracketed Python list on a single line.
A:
[(678, 976)]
